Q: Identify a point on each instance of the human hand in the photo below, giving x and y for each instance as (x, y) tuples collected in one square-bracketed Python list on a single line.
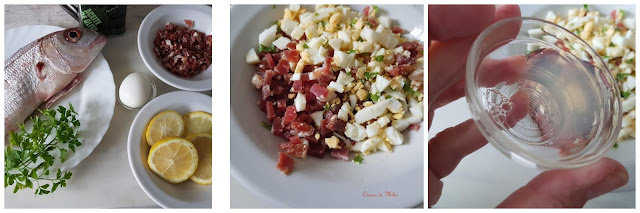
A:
[(452, 30)]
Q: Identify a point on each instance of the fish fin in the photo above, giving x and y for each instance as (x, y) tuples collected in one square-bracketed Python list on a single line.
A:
[(49, 102)]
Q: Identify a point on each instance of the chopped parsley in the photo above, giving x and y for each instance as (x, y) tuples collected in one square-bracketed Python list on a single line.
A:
[(316, 14), (351, 51), (375, 8), (586, 7), (407, 89), (358, 159), (618, 29), (387, 96), (323, 24), (360, 39), (349, 73), (374, 97), (611, 44), (625, 94), (326, 107), (379, 58), (354, 21), (605, 29), (274, 6), (305, 46), (615, 146), (621, 13), (629, 61), (606, 57), (266, 125), (267, 49), (369, 75), (621, 76)]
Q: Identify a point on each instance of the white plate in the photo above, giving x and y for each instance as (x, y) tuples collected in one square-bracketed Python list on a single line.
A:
[(156, 20), (315, 183), (187, 194), (486, 177), (93, 99)]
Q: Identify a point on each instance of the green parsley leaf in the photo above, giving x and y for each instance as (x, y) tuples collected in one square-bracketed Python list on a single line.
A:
[(266, 125), (323, 23), (621, 12), (354, 21), (605, 29), (618, 29), (621, 76), (275, 22), (374, 97), (611, 44), (629, 61), (387, 96), (305, 46), (351, 51), (326, 107), (375, 8), (586, 7), (379, 58), (29, 155), (615, 146), (358, 159), (274, 6), (316, 14), (625, 94), (267, 49), (360, 39), (369, 75), (606, 57)]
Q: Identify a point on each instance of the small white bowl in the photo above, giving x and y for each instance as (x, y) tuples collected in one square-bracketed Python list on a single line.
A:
[(187, 194), (176, 14)]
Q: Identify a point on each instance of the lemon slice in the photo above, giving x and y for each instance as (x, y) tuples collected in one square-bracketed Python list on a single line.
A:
[(165, 124), (202, 142), (197, 122), (174, 159)]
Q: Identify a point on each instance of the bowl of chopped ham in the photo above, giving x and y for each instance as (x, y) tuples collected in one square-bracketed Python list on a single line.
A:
[(328, 99), (174, 42)]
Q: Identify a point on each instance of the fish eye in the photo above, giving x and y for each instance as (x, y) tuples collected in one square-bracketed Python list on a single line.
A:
[(73, 35)]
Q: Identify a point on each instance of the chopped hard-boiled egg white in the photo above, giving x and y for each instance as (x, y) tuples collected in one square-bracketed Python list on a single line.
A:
[(300, 102), (267, 36), (252, 57)]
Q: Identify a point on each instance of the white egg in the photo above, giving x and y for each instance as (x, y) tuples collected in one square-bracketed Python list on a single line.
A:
[(135, 90)]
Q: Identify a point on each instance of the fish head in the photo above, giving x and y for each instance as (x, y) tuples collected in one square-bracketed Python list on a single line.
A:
[(77, 47)]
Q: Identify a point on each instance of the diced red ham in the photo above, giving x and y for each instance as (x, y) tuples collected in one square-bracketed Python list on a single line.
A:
[(414, 127), (397, 30), (266, 92), (285, 163), (268, 77), (320, 92), (268, 61), (317, 150), (335, 124), (297, 86), (401, 70), (281, 105), (289, 115), (341, 154), (301, 129), (256, 80), (283, 67), (298, 150), (304, 117), (324, 130), (276, 126), (295, 140), (271, 114), (366, 10), (292, 45), (189, 23), (292, 55)]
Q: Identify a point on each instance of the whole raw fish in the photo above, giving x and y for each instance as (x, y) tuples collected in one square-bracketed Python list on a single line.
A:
[(44, 70)]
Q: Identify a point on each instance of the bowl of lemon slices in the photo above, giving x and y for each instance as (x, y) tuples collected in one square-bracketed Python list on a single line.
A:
[(169, 149)]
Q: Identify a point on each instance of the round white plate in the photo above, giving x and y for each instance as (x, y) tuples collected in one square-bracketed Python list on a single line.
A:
[(187, 194), (156, 20), (93, 99), (315, 183), (486, 177)]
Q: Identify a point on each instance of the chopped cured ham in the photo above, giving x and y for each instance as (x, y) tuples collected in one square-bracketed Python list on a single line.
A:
[(285, 163)]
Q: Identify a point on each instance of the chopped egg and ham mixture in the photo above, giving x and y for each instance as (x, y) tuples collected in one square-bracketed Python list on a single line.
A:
[(612, 36), (336, 81)]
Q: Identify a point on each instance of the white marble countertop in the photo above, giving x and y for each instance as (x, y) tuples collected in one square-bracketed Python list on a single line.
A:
[(103, 179)]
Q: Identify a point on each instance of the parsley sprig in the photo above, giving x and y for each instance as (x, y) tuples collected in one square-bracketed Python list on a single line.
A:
[(31, 154)]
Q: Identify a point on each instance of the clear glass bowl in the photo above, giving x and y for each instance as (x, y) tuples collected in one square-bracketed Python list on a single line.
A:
[(541, 95)]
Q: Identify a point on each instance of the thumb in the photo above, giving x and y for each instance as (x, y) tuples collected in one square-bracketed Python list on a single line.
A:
[(569, 187)]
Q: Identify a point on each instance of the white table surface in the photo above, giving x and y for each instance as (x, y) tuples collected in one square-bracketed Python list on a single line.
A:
[(103, 179)]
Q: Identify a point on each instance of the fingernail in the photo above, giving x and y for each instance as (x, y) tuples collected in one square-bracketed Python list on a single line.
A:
[(612, 182)]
